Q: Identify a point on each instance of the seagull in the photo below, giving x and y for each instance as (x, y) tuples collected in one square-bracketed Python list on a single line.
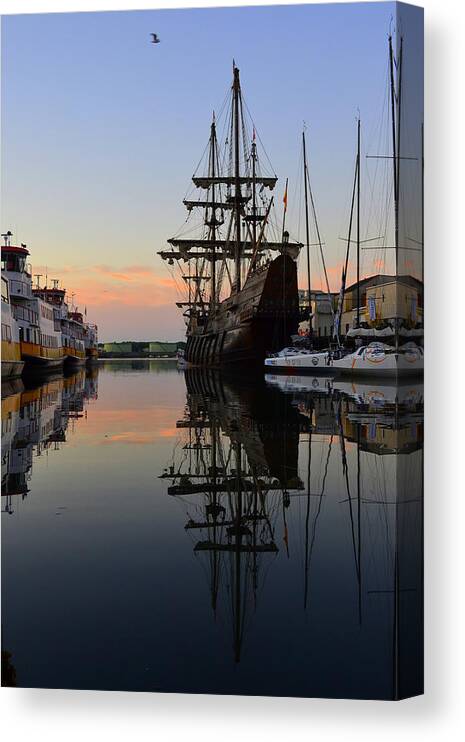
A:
[(155, 39)]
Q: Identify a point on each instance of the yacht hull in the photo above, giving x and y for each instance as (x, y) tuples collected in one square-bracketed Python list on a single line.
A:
[(317, 364), (373, 361)]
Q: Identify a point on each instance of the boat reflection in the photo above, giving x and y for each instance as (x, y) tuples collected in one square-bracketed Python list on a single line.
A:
[(35, 420), (287, 474)]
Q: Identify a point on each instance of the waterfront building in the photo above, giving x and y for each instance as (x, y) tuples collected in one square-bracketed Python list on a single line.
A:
[(158, 348), (122, 348), (384, 300), (323, 309)]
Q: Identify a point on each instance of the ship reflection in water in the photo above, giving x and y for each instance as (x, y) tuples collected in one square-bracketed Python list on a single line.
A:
[(222, 535), (35, 421)]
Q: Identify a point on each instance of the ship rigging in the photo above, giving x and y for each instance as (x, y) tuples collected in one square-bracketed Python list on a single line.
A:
[(239, 302)]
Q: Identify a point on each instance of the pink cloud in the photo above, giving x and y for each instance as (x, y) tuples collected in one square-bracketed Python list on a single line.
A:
[(126, 302)]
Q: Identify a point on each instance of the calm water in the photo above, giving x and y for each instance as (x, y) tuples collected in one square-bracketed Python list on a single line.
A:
[(193, 532)]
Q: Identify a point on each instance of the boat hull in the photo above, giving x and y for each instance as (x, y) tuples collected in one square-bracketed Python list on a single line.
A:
[(375, 362), (38, 357), (74, 361), (251, 324), (91, 356), (317, 364), (12, 363)]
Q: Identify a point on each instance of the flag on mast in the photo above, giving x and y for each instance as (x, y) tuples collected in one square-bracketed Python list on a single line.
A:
[(285, 197)]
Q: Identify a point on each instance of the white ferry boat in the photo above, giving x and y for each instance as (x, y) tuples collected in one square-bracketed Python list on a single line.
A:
[(39, 334), (91, 343), (71, 324), (12, 364), (73, 339)]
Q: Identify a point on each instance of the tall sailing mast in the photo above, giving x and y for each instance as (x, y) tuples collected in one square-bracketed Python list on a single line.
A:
[(395, 65), (308, 193), (358, 222), (237, 183), (229, 249), (340, 307), (307, 234)]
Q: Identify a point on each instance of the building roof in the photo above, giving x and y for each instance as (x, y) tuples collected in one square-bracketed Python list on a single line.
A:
[(380, 280)]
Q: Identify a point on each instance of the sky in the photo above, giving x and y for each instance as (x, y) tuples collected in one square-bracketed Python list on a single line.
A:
[(102, 130)]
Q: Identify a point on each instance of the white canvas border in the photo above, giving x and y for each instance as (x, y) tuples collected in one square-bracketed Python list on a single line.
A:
[(42, 714)]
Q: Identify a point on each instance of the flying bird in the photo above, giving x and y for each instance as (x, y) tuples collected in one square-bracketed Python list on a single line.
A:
[(155, 39)]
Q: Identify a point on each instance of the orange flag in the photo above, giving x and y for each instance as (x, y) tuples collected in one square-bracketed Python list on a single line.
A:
[(285, 198)]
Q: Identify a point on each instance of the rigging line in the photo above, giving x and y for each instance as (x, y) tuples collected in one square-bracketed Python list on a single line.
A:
[(258, 136), (320, 500), (320, 244), (201, 159)]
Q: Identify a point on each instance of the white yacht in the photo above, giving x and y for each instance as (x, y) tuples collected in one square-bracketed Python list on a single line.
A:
[(380, 359)]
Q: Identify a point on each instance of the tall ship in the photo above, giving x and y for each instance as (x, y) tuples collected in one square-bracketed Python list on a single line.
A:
[(239, 273)]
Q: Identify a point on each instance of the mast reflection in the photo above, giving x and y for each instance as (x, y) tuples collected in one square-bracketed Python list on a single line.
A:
[(254, 466)]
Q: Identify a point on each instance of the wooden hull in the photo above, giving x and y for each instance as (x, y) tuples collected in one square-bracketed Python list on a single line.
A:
[(260, 319)]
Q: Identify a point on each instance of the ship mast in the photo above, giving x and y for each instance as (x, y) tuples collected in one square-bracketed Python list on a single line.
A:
[(225, 256), (358, 222), (213, 222), (237, 185)]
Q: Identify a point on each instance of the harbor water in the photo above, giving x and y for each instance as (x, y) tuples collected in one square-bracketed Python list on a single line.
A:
[(198, 532)]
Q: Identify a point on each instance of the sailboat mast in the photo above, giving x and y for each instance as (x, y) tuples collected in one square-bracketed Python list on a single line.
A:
[(237, 185), (394, 152), (422, 202), (307, 234), (358, 222), (359, 534)]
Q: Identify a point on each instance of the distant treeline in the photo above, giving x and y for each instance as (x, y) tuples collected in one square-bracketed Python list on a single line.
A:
[(133, 348)]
